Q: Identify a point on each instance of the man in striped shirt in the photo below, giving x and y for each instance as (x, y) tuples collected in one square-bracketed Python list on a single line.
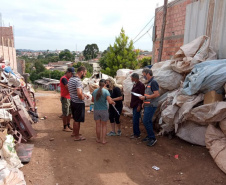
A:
[(77, 101)]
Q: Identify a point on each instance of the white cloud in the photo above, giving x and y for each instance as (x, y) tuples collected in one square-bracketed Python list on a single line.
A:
[(51, 24)]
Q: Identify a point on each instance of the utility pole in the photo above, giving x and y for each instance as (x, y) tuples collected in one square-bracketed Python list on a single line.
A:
[(163, 31)]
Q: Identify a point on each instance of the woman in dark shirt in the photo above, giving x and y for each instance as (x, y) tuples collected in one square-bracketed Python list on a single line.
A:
[(114, 116)]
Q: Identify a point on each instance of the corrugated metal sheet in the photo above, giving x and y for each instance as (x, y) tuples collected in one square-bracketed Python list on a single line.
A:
[(218, 35), (198, 22)]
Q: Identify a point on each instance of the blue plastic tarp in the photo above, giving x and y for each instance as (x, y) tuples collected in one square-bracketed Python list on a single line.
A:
[(206, 76)]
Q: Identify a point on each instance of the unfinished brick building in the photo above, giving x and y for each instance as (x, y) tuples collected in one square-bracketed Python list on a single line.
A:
[(174, 30), (7, 48)]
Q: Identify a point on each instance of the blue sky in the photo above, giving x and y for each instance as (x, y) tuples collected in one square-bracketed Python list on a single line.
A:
[(54, 24)]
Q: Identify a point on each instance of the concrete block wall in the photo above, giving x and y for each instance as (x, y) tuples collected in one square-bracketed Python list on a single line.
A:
[(9, 54), (7, 48), (174, 30), (21, 66)]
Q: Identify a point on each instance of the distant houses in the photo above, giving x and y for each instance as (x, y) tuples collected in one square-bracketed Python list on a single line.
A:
[(95, 64), (59, 66), (144, 54), (48, 84)]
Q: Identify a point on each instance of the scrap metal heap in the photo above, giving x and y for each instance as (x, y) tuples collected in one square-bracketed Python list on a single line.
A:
[(17, 114), (17, 111)]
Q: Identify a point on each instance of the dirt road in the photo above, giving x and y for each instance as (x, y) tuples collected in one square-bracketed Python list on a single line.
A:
[(120, 162)]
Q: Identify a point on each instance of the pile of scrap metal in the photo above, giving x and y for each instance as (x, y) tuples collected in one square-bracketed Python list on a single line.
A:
[(17, 105), (17, 111), (17, 114)]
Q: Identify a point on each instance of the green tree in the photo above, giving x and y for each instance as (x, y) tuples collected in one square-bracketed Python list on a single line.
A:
[(40, 57), (120, 55), (102, 61), (34, 76), (88, 74), (46, 74), (53, 59), (144, 62), (57, 74), (66, 55), (39, 67), (88, 66), (28, 67), (91, 51)]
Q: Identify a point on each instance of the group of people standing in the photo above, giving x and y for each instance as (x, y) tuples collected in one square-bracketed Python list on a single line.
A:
[(146, 100), (73, 105), (108, 104), (72, 100)]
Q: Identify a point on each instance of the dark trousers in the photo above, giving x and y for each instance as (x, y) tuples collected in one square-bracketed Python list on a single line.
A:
[(147, 120), (136, 121), (113, 115)]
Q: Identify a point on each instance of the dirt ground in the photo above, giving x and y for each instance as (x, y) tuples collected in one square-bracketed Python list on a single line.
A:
[(120, 162)]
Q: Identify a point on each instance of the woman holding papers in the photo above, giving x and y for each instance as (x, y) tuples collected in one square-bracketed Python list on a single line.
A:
[(100, 97), (114, 112)]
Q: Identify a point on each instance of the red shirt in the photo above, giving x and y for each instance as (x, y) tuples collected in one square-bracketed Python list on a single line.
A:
[(63, 91)]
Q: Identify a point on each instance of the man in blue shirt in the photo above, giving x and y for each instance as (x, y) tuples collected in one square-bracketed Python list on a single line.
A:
[(150, 105)]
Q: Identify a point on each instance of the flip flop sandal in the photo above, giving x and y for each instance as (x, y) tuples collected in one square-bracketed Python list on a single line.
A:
[(72, 135), (80, 139), (105, 143)]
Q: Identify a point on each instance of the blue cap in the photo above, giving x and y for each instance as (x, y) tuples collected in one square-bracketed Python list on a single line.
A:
[(71, 70)]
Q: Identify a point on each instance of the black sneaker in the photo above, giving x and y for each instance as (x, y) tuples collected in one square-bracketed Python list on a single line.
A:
[(145, 139), (151, 142)]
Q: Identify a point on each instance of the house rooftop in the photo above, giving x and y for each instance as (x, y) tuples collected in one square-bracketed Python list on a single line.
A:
[(47, 81)]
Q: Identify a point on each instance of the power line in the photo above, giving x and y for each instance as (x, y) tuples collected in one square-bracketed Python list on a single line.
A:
[(150, 35), (146, 25), (169, 5), (145, 32)]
